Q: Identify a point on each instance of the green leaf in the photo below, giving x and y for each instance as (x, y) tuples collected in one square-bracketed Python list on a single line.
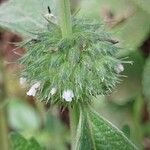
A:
[(22, 116), (96, 133), (131, 86), (20, 143), (146, 79), (23, 16), (144, 4), (55, 134), (135, 30), (126, 130)]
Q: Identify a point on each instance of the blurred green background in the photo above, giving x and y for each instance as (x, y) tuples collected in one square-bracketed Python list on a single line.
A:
[(128, 107)]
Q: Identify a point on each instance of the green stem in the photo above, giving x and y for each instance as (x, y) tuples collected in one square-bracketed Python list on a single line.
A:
[(74, 119), (66, 28), (65, 17), (4, 144), (41, 110), (137, 111)]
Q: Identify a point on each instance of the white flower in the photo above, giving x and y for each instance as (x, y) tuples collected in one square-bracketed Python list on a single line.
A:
[(33, 89), (119, 68), (36, 85), (22, 81), (68, 95), (32, 92), (53, 91)]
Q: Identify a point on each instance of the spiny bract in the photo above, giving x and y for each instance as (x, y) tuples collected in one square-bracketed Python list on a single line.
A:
[(83, 63)]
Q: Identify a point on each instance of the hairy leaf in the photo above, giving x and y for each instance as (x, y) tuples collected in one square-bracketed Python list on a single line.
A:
[(20, 143), (23, 16), (96, 133)]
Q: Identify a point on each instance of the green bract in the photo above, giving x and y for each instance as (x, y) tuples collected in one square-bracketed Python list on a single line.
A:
[(84, 63)]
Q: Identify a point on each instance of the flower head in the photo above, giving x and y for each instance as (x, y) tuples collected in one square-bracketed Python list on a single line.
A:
[(85, 62), (68, 95)]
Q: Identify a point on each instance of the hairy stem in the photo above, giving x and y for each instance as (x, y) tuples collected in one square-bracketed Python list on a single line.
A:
[(74, 119), (66, 28), (65, 17), (4, 144)]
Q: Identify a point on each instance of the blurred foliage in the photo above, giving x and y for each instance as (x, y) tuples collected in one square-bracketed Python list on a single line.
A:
[(51, 133), (20, 143), (22, 116), (130, 21), (146, 79), (57, 134), (26, 19)]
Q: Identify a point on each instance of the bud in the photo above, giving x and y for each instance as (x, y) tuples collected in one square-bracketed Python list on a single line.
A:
[(22, 81), (53, 91), (50, 18)]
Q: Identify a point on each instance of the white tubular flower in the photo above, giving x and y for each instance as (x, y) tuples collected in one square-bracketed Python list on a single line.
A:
[(53, 91), (32, 92), (68, 95), (33, 89), (119, 68), (22, 81), (36, 85)]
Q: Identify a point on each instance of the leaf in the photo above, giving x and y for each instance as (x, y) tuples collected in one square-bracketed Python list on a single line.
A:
[(24, 16), (55, 133), (135, 30), (131, 86), (126, 130), (22, 116), (146, 79), (98, 6), (20, 143), (144, 4), (96, 133)]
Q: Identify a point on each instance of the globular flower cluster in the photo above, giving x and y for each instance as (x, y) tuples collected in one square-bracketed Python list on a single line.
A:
[(72, 69)]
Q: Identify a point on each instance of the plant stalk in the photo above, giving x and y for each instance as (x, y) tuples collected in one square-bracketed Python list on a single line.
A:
[(74, 119), (64, 11), (4, 143), (66, 28)]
